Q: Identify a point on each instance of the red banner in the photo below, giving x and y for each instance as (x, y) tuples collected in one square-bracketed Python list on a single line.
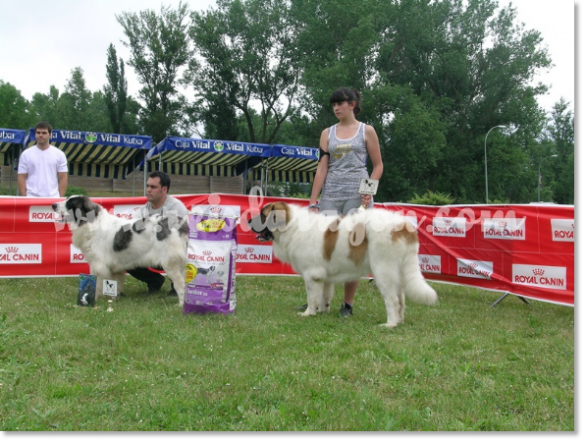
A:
[(527, 250)]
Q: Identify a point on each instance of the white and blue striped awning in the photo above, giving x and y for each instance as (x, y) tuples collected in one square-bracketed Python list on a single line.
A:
[(287, 164), (97, 154), (11, 141), (192, 156)]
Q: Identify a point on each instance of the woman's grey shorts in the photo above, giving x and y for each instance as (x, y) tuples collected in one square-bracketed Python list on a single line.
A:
[(343, 207)]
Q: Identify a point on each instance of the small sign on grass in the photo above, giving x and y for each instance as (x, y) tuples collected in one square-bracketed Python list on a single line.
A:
[(110, 288)]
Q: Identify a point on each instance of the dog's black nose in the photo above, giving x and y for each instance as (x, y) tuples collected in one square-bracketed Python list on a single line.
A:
[(54, 206)]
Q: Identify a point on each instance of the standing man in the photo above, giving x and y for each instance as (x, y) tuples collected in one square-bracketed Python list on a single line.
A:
[(42, 168), (159, 202)]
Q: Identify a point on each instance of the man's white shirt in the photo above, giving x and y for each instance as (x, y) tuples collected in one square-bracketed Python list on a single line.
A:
[(42, 167)]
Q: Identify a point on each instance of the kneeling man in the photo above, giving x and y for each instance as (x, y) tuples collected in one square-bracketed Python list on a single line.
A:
[(161, 203)]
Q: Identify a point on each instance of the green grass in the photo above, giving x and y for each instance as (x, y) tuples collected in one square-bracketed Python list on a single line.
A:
[(459, 365)]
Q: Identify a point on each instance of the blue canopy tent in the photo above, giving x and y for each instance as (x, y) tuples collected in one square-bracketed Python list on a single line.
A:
[(286, 164), (98, 154), (11, 141), (191, 156)]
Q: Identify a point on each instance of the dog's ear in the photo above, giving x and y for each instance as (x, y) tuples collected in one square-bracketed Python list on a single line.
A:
[(279, 215), (90, 206), (82, 209)]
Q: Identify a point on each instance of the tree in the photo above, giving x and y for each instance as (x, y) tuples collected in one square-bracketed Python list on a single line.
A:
[(77, 108), (561, 133), (14, 108), (474, 65), (45, 106), (246, 58), (116, 91), (98, 119), (159, 49), (337, 44), (412, 136), (74, 104)]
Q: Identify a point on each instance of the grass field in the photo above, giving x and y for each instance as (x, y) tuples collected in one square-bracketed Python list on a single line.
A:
[(459, 365)]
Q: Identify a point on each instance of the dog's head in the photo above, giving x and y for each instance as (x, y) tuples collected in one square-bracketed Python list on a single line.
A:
[(273, 217), (77, 210)]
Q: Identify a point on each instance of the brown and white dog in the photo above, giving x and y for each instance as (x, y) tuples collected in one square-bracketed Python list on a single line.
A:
[(328, 249)]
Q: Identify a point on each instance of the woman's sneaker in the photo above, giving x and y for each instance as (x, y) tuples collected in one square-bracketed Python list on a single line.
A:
[(346, 310)]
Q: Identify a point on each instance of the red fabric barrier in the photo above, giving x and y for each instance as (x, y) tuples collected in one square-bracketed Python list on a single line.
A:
[(527, 250)]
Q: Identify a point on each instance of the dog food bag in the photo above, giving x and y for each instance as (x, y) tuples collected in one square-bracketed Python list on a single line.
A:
[(86, 290), (211, 264)]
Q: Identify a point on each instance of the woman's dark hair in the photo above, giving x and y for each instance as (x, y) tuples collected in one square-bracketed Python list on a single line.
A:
[(350, 95), (165, 180)]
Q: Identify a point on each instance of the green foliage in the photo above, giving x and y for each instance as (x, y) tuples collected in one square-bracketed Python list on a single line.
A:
[(291, 190), (431, 88), (561, 133), (299, 131), (46, 107), (14, 108), (412, 143), (460, 365), (116, 92), (300, 195), (432, 199), (73, 190), (75, 109), (246, 60), (159, 48)]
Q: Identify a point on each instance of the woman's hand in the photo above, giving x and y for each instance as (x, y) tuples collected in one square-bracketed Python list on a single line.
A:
[(366, 200)]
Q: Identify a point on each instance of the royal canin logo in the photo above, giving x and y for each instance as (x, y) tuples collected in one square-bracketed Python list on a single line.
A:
[(447, 222), (549, 277), (475, 269), (21, 254), (215, 210), (503, 224), (426, 260), (249, 249), (207, 252), (563, 230)]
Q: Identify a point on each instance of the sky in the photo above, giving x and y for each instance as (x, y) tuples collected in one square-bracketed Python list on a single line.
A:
[(41, 42)]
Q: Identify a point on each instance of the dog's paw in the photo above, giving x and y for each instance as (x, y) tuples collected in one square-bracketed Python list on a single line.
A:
[(308, 313), (389, 325)]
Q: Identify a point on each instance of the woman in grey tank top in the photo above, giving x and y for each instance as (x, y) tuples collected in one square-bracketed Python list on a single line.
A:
[(344, 150)]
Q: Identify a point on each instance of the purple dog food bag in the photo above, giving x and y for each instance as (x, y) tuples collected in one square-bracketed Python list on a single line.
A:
[(211, 265)]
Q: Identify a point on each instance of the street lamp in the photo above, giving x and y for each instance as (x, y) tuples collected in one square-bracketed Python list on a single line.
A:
[(486, 176), (539, 177)]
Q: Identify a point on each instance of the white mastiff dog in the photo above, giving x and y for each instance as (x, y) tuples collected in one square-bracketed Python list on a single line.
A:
[(112, 245), (325, 250)]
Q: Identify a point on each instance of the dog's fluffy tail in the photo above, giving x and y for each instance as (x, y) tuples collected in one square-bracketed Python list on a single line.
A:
[(415, 287)]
